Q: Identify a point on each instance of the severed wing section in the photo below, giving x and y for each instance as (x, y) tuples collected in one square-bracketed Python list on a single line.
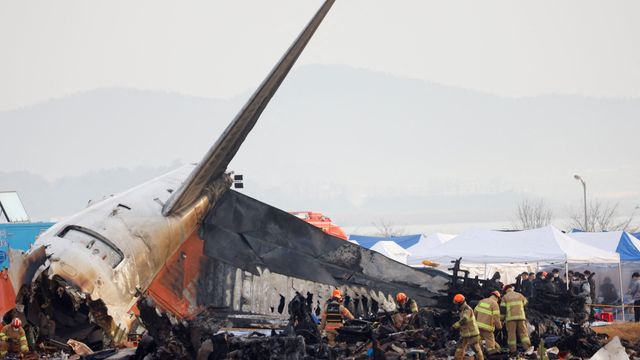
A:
[(250, 235), (222, 152)]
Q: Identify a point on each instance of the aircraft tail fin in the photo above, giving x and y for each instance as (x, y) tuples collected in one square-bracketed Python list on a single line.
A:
[(219, 156)]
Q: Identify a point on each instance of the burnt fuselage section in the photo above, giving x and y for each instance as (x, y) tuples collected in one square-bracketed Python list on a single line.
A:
[(249, 259), (112, 251)]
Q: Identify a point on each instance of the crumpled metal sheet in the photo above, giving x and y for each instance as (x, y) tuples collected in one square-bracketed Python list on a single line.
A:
[(24, 266), (612, 351), (249, 234)]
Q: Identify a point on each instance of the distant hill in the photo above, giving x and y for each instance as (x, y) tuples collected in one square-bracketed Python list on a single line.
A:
[(357, 144)]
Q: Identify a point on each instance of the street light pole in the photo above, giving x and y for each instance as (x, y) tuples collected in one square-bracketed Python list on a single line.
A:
[(584, 188)]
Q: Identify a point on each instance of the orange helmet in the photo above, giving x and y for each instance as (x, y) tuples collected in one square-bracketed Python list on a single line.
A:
[(401, 297), (496, 293), (458, 299), (16, 323), (337, 294)]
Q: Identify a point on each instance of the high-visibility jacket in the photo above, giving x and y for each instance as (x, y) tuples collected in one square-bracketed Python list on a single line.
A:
[(408, 307), (467, 323), (15, 340), (512, 305), (334, 315), (488, 314)]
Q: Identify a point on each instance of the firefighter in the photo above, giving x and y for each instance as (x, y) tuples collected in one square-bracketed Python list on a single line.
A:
[(333, 316), (405, 304), (469, 333), (13, 339), (488, 318), (512, 306)]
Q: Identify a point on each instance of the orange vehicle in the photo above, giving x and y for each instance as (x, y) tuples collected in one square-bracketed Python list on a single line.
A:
[(323, 222)]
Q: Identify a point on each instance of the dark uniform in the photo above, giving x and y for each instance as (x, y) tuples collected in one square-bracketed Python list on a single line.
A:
[(333, 318), (408, 307)]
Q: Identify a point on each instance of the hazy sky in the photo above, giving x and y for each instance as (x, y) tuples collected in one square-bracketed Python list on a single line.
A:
[(222, 48), (219, 49)]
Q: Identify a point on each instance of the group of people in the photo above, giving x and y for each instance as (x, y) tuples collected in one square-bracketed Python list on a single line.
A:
[(498, 310), (335, 313), (580, 283)]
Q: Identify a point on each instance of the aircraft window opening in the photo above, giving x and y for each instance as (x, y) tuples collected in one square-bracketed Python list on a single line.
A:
[(95, 242)]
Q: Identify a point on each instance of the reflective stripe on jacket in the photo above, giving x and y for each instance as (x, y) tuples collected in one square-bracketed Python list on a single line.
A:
[(333, 314), (18, 336), (467, 323), (409, 307), (513, 305), (488, 314)]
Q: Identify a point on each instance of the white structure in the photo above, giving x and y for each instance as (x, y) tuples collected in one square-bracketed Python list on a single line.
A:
[(544, 245), (625, 244), (391, 250), (483, 252), (423, 248)]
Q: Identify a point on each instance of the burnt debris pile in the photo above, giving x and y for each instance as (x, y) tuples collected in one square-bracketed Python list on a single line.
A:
[(386, 335), (557, 325)]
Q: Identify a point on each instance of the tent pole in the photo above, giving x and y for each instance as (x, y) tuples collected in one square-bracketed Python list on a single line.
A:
[(566, 274), (621, 291), (485, 270)]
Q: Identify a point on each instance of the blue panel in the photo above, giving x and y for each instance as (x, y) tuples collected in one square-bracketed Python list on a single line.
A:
[(627, 250), (18, 236), (405, 241)]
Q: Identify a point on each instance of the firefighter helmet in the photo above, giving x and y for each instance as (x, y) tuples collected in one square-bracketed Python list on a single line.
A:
[(16, 323), (401, 297), (336, 294)]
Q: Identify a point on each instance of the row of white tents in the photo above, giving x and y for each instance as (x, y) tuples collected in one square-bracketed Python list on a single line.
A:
[(546, 245), (484, 252)]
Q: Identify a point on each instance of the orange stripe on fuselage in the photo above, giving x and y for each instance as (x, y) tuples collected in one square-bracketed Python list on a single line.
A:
[(174, 288), (7, 294)]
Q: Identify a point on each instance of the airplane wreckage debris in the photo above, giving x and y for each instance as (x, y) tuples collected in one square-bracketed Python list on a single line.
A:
[(198, 259), (379, 332)]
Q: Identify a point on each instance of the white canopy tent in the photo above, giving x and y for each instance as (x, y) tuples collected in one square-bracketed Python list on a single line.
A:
[(544, 245), (422, 249), (624, 243), (548, 245), (391, 250)]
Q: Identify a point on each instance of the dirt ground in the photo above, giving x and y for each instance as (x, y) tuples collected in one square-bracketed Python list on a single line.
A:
[(627, 331)]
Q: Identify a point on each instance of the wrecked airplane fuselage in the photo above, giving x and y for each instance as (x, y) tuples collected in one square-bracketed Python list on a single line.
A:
[(246, 259), (112, 250)]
